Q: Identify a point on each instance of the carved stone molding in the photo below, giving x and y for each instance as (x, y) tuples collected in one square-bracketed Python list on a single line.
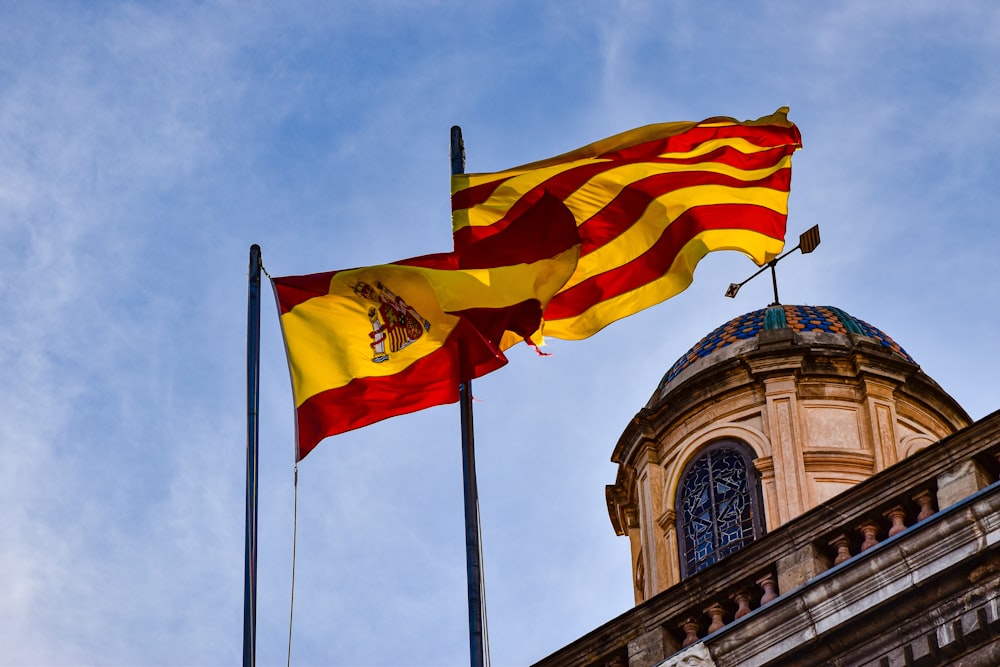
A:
[(667, 520), (696, 655), (838, 461)]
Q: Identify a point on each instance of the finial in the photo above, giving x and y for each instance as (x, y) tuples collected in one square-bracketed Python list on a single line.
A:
[(808, 241)]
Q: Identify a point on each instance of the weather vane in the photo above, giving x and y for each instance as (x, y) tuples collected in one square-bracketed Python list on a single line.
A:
[(808, 241)]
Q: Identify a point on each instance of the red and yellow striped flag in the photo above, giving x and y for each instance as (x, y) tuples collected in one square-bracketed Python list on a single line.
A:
[(649, 204), (371, 343)]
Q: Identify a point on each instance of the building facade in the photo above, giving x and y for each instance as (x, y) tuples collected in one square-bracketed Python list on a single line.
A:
[(798, 492)]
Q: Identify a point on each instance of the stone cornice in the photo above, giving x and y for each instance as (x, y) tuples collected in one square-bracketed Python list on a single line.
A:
[(834, 460), (868, 498), (808, 363), (834, 601), (639, 430)]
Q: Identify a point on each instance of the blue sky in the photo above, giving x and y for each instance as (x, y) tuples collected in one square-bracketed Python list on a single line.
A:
[(145, 146)]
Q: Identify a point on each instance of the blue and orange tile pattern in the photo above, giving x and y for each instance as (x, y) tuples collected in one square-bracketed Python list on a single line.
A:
[(797, 318)]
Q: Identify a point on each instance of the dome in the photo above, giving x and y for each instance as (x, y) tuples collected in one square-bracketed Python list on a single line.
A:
[(768, 416), (742, 332)]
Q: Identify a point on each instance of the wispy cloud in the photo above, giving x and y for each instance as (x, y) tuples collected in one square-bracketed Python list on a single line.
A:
[(143, 148)]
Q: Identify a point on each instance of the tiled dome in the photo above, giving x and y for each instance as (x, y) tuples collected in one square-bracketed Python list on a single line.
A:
[(797, 318)]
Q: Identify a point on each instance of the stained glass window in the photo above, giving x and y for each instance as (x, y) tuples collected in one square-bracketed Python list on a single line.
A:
[(718, 505)]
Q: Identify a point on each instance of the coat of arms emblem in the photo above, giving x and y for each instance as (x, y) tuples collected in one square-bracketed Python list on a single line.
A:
[(395, 324)]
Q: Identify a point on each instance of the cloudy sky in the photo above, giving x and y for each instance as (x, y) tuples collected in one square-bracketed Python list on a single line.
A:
[(145, 146)]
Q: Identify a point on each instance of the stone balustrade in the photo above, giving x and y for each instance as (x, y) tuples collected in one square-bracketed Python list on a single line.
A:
[(833, 535)]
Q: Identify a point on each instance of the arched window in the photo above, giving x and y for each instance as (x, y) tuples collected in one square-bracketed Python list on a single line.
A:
[(718, 505)]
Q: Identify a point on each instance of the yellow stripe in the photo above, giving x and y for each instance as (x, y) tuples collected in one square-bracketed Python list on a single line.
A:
[(594, 195), (501, 286), (527, 177), (622, 140), (651, 133), (519, 182), (757, 246), (328, 337), (616, 142), (659, 215)]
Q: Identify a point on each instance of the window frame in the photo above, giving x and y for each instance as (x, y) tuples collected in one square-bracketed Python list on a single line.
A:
[(754, 491)]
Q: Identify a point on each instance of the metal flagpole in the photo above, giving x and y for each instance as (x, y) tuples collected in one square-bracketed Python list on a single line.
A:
[(473, 549), (253, 402)]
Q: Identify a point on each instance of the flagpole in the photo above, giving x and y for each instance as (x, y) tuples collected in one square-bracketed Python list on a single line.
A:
[(253, 402), (473, 549)]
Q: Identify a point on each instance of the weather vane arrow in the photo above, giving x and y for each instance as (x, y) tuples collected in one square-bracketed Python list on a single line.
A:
[(808, 241)]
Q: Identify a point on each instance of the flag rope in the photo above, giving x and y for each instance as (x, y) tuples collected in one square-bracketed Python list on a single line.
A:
[(482, 592), (295, 533)]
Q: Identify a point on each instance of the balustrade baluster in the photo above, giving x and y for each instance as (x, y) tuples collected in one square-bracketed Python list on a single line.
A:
[(868, 530), (897, 516), (690, 626), (925, 499), (843, 546), (769, 586), (742, 598), (716, 612)]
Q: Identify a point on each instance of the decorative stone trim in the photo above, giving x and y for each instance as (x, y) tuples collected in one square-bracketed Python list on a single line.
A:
[(969, 634), (667, 520), (764, 465), (696, 655), (834, 461), (944, 564)]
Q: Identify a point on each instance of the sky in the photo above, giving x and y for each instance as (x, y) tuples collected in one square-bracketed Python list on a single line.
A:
[(145, 146)]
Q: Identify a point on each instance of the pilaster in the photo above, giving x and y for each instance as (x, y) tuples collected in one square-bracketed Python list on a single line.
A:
[(784, 430), (881, 405), (650, 491)]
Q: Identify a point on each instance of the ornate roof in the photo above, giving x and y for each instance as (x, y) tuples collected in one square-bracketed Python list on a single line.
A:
[(797, 318)]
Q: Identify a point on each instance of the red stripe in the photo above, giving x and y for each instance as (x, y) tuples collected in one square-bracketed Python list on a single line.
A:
[(565, 183), (442, 260), (522, 318), (475, 195), (783, 140), (655, 262), (429, 381), (758, 135), (731, 157), (290, 291), (543, 230), (561, 185), (625, 209)]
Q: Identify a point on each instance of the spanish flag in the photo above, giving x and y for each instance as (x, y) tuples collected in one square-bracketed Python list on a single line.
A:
[(649, 204), (370, 343)]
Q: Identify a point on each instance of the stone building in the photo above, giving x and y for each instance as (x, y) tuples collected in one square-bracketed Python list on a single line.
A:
[(797, 491)]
